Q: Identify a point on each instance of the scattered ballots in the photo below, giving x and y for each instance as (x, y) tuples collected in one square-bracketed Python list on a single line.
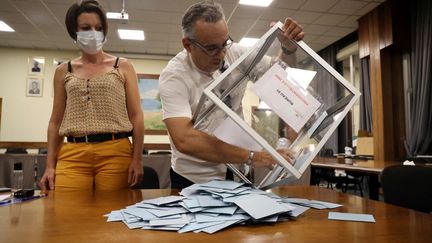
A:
[(210, 207)]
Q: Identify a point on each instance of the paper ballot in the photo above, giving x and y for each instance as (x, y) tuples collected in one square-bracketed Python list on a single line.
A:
[(229, 132), (283, 91)]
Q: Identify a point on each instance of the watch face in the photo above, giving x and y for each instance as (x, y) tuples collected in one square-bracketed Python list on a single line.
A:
[(266, 95)]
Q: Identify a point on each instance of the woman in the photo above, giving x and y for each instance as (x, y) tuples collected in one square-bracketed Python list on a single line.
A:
[(97, 107)]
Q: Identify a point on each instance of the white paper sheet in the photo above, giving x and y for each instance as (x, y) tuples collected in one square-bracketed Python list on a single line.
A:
[(286, 97)]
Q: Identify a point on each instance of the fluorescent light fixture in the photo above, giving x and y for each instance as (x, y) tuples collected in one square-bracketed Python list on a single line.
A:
[(246, 41), (5, 27), (131, 34), (117, 15), (263, 106), (259, 3)]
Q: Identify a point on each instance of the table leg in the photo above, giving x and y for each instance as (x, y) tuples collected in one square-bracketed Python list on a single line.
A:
[(373, 186)]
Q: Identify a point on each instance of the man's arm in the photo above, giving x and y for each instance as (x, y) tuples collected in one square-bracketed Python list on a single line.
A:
[(191, 141)]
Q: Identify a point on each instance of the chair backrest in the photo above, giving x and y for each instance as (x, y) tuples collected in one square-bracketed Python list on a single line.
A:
[(408, 186), (150, 179)]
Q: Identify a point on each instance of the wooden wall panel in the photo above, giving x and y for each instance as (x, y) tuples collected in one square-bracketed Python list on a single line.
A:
[(1, 104), (363, 38), (377, 33)]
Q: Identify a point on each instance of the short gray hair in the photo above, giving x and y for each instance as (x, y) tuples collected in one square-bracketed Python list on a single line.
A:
[(209, 11)]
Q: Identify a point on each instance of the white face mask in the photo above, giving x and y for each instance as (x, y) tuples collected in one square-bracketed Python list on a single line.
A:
[(91, 41)]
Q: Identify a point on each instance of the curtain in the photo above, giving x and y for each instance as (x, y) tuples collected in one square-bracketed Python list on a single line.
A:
[(365, 99), (326, 87), (420, 132)]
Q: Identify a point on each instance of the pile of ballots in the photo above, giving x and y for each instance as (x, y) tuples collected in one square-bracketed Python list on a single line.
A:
[(211, 207)]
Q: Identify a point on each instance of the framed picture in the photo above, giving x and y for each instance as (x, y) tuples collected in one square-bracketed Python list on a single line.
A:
[(34, 87), (151, 104), (58, 61), (36, 65)]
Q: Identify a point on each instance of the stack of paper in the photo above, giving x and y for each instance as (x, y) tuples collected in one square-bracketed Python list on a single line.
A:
[(208, 207)]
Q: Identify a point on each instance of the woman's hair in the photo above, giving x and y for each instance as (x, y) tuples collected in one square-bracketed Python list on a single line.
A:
[(208, 11), (84, 6)]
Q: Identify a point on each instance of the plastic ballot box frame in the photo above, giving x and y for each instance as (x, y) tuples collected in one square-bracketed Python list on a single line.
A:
[(294, 93)]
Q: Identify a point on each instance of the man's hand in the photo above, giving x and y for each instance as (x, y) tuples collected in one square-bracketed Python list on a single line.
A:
[(263, 159), (288, 154), (291, 31)]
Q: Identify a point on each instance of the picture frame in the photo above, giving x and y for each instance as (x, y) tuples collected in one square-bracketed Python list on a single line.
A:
[(36, 65), (34, 87), (151, 105)]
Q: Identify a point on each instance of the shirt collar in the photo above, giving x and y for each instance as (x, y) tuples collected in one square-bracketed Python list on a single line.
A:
[(209, 74)]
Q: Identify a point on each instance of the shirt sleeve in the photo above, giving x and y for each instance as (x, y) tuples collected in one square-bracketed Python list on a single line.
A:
[(174, 96)]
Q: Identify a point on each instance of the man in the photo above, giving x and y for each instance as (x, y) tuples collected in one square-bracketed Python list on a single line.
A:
[(34, 88), (198, 157), (36, 67)]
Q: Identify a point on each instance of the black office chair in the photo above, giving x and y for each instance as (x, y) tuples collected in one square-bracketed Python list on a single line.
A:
[(408, 186), (323, 174), (354, 180), (150, 179)]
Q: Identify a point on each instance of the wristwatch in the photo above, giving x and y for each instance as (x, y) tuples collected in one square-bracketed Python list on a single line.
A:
[(250, 158), (286, 51)]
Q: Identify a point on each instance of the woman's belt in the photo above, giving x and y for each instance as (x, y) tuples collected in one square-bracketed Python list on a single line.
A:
[(97, 138)]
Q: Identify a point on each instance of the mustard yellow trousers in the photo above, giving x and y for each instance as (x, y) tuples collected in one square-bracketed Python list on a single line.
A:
[(94, 166)]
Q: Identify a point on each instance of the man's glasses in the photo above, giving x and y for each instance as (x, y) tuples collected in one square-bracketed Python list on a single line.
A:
[(213, 50)]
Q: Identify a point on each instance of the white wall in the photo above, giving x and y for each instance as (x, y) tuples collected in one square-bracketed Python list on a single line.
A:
[(26, 118)]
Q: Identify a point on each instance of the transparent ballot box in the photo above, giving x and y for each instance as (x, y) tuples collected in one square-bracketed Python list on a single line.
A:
[(302, 101)]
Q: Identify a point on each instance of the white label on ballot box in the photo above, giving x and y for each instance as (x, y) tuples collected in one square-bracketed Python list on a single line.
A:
[(285, 95)]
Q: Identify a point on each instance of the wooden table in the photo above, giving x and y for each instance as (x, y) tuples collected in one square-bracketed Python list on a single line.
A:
[(370, 168), (78, 217)]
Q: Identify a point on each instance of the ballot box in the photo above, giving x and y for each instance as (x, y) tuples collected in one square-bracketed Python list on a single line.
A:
[(302, 100)]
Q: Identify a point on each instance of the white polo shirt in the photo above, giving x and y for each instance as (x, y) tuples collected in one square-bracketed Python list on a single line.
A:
[(181, 85)]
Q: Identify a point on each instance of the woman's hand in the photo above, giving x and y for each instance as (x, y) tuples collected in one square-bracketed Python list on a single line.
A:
[(135, 174), (47, 180)]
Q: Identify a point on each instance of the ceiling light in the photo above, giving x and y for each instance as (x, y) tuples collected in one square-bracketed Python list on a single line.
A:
[(131, 34), (122, 15), (246, 41), (263, 106), (118, 15), (5, 27), (259, 3)]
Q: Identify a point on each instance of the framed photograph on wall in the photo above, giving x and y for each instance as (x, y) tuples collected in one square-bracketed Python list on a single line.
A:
[(34, 87), (36, 65), (151, 104)]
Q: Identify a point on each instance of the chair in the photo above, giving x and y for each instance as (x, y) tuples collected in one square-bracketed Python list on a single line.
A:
[(408, 186), (150, 179), (355, 179)]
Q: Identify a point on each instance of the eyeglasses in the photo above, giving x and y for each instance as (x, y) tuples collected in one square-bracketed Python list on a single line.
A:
[(213, 50)]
